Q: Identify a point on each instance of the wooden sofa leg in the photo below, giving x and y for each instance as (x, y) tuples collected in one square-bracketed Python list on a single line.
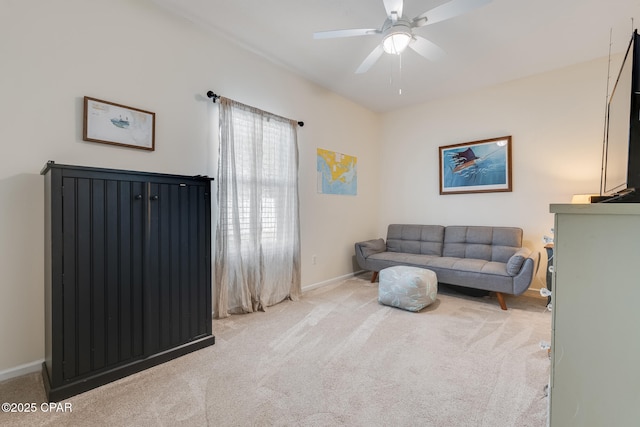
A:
[(503, 304), (374, 276)]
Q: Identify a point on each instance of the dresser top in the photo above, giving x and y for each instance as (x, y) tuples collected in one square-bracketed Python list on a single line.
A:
[(596, 209)]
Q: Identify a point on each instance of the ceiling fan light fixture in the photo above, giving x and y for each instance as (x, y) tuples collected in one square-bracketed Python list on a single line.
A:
[(396, 42), (397, 30)]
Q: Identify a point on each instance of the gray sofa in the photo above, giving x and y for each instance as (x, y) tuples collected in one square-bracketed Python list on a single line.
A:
[(486, 258)]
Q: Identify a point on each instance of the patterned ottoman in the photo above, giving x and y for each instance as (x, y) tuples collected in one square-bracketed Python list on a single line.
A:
[(409, 288)]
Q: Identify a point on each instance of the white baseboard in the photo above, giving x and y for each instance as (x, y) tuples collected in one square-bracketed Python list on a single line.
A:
[(330, 281), (27, 368)]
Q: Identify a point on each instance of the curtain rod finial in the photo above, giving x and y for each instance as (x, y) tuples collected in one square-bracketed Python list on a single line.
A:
[(213, 96), (300, 124)]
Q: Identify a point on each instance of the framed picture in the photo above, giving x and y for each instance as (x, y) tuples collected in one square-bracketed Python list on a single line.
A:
[(476, 167), (337, 173), (116, 124)]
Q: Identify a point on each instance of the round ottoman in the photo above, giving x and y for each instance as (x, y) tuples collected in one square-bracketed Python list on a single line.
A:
[(408, 288)]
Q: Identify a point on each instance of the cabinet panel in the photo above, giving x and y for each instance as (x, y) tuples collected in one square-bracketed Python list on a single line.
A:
[(177, 262), (130, 280), (102, 285), (595, 345)]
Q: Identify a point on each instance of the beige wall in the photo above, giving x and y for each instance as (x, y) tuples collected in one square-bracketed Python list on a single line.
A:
[(131, 52), (556, 121)]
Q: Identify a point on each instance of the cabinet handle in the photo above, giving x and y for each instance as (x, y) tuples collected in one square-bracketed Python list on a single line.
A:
[(138, 197), (154, 197)]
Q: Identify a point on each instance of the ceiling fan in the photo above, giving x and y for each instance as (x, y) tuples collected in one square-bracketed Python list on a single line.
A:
[(397, 30)]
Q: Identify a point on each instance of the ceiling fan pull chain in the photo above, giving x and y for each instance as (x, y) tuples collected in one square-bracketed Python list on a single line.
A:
[(400, 75)]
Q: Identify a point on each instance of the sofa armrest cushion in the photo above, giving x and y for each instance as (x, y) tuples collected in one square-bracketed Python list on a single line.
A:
[(371, 247), (514, 264)]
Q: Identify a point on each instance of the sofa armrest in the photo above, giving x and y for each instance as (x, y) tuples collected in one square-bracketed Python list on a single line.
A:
[(524, 278), (367, 248), (370, 247)]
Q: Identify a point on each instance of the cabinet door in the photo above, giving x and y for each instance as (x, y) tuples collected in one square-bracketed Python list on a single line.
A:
[(179, 264), (102, 275)]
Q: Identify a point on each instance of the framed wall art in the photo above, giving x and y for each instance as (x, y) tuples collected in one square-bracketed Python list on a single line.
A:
[(337, 173), (116, 124), (476, 167)]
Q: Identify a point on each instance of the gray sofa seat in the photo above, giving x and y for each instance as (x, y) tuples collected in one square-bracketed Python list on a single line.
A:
[(486, 258)]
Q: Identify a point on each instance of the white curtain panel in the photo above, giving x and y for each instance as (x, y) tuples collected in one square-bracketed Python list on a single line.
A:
[(257, 254)]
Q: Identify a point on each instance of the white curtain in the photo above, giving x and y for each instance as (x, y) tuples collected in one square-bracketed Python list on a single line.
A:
[(257, 254)]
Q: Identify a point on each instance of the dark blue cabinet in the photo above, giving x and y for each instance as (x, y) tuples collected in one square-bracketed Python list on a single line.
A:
[(128, 273)]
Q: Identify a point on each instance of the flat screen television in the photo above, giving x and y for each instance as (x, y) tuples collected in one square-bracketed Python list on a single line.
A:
[(621, 154)]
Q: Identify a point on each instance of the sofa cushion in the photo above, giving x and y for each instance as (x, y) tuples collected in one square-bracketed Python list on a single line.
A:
[(514, 264), (469, 265), (488, 243), (400, 258), (415, 239)]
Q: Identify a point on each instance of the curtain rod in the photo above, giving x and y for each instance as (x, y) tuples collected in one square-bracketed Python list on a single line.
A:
[(214, 97)]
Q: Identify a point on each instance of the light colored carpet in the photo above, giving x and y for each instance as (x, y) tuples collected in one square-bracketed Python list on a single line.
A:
[(336, 357)]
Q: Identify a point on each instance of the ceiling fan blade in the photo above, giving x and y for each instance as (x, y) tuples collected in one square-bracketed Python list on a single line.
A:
[(370, 59), (447, 11), (426, 48), (393, 7), (345, 33)]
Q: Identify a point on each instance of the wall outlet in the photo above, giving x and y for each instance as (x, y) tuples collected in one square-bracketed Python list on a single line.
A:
[(313, 259)]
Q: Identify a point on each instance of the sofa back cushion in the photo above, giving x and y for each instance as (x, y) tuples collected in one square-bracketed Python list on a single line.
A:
[(488, 243), (415, 239)]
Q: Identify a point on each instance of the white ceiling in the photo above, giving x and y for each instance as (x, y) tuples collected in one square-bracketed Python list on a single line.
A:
[(502, 41)]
